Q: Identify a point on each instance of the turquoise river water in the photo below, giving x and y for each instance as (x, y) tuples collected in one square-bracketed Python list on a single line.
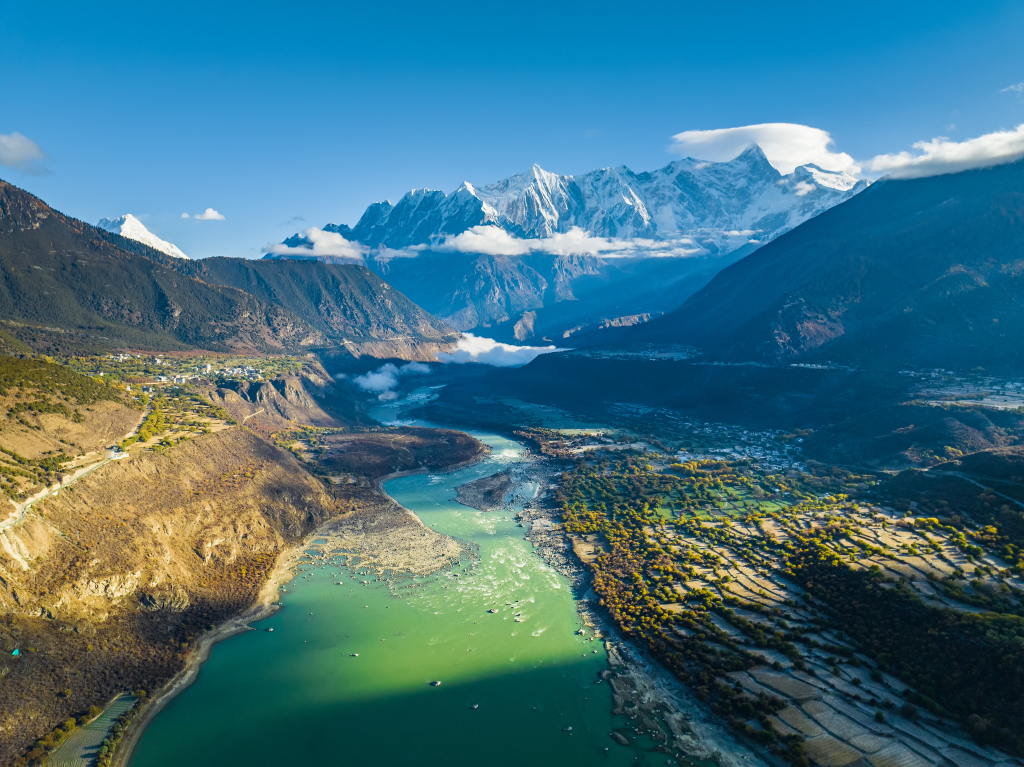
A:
[(344, 678)]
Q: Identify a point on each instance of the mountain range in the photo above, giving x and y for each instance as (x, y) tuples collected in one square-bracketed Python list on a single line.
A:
[(923, 271), (546, 255), (66, 283)]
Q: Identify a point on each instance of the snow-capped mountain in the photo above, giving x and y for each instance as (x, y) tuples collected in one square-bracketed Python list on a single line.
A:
[(130, 227), (719, 206), (544, 255)]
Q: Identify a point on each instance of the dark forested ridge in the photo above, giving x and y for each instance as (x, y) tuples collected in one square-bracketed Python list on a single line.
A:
[(923, 271), (341, 301), (76, 284), (62, 273)]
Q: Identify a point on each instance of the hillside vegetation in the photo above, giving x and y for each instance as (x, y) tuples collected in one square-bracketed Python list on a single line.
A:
[(347, 304), (68, 286), (110, 583), (922, 271), (109, 580), (49, 415), (826, 630)]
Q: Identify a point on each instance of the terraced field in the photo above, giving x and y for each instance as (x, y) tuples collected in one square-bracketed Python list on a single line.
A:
[(829, 631), (83, 745)]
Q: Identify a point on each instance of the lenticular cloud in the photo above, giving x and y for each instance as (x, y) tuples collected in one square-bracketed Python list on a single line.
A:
[(487, 351), (786, 145)]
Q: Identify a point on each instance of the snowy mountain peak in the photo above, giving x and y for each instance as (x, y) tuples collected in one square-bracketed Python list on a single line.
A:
[(752, 154), (833, 179), (130, 227), (704, 203)]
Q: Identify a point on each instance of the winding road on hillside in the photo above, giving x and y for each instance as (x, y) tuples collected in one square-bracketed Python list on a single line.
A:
[(17, 516)]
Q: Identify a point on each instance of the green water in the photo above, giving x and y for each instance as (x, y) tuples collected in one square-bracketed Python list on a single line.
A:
[(297, 695)]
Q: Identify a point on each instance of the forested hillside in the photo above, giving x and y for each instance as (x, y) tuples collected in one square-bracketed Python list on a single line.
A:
[(67, 284), (921, 271)]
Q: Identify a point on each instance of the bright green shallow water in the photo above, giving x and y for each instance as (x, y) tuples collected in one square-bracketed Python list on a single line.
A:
[(298, 696)]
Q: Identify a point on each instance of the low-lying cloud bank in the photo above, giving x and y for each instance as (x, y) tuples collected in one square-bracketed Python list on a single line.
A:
[(487, 351), (492, 240), (385, 378), (321, 243), (940, 155), (495, 241)]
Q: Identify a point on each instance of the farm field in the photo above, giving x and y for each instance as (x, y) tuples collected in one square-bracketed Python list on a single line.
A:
[(82, 747), (828, 630)]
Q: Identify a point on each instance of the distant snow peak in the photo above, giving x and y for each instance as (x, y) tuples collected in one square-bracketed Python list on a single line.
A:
[(832, 179), (786, 145), (609, 212), (130, 227)]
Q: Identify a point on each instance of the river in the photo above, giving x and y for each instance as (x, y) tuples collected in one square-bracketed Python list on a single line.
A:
[(344, 678)]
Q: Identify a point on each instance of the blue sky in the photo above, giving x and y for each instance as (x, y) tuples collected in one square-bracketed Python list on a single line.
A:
[(288, 115)]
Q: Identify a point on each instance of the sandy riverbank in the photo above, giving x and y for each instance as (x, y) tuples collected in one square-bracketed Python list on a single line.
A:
[(390, 539)]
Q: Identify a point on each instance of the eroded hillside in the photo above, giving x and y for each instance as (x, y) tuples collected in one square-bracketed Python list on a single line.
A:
[(115, 562)]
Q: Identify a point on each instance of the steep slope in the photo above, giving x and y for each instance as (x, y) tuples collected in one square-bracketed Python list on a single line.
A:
[(347, 305), (66, 280), (130, 227), (924, 271), (62, 273)]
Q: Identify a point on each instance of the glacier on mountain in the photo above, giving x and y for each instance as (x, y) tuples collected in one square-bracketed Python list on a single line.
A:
[(130, 227)]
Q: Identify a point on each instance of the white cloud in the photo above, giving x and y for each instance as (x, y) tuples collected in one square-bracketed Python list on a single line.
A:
[(940, 155), (321, 243), (184, 215), (1018, 88), (21, 153), (786, 145), (487, 351), (804, 188), (490, 240), (385, 378), (494, 241), (209, 215)]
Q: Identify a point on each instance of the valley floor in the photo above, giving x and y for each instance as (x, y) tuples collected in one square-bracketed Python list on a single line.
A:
[(704, 544)]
